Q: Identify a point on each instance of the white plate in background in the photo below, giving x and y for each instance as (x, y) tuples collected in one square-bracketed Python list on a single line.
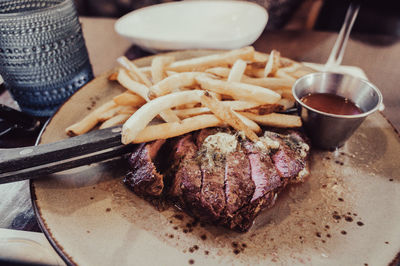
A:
[(194, 25)]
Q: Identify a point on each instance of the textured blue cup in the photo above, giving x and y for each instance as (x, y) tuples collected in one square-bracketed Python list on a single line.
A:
[(43, 56)]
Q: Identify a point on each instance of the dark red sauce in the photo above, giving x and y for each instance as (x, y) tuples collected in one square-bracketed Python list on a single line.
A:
[(331, 103)]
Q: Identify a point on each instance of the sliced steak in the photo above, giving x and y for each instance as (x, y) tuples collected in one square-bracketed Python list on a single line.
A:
[(183, 150), (216, 176), (188, 178), (244, 218), (290, 159), (239, 186), (212, 190), (144, 179)]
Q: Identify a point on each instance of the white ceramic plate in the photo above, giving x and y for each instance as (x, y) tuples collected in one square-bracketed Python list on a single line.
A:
[(194, 25)]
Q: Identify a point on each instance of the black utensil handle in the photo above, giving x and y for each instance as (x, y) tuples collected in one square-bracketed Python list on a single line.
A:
[(13, 160), (50, 168)]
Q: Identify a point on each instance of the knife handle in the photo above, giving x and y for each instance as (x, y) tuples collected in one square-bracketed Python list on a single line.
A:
[(30, 162)]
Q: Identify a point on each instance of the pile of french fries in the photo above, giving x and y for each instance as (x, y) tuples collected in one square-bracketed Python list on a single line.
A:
[(240, 88)]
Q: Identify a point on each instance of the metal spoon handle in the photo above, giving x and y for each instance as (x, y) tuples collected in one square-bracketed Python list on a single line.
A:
[(336, 56)]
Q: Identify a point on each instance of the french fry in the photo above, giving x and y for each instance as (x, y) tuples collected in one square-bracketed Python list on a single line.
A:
[(134, 70), (114, 121), (280, 73), (189, 112), (260, 57), (129, 99), (170, 73), (254, 72), (146, 70), (169, 116), (126, 81), (286, 103), (273, 63), (275, 119), (173, 82), (227, 115), (158, 65), (265, 109), (222, 72), (139, 120), (127, 110), (291, 68), (109, 113), (215, 95), (287, 94), (270, 83), (204, 62), (170, 130), (239, 90), (234, 105), (249, 123), (133, 86), (89, 121), (113, 76), (240, 105), (237, 71)]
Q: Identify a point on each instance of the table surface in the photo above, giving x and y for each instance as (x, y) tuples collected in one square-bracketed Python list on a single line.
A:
[(378, 56)]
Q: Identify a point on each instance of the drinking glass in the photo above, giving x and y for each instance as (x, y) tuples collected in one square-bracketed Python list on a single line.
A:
[(43, 56)]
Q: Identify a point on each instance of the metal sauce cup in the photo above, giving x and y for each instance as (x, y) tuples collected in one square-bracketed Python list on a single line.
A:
[(330, 131)]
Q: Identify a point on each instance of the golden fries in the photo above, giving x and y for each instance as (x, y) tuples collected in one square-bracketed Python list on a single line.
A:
[(173, 82), (241, 88), (189, 112), (133, 86), (273, 63), (158, 65), (202, 63), (129, 99), (169, 130), (270, 83), (89, 121), (134, 70), (139, 120), (222, 72), (115, 120), (237, 71), (274, 119), (227, 115)]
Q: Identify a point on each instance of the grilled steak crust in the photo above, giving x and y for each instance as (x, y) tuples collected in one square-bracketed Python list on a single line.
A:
[(218, 177), (239, 186), (144, 179)]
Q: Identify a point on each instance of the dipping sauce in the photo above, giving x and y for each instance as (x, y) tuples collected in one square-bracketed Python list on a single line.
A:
[(331, 103)]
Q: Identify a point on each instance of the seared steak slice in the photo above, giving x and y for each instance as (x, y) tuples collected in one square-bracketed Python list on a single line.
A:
[(239, 186), (187, 183), (244, 218), (290, 159), (183, 150), (144, 179), (263, 172), (212, 190)]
